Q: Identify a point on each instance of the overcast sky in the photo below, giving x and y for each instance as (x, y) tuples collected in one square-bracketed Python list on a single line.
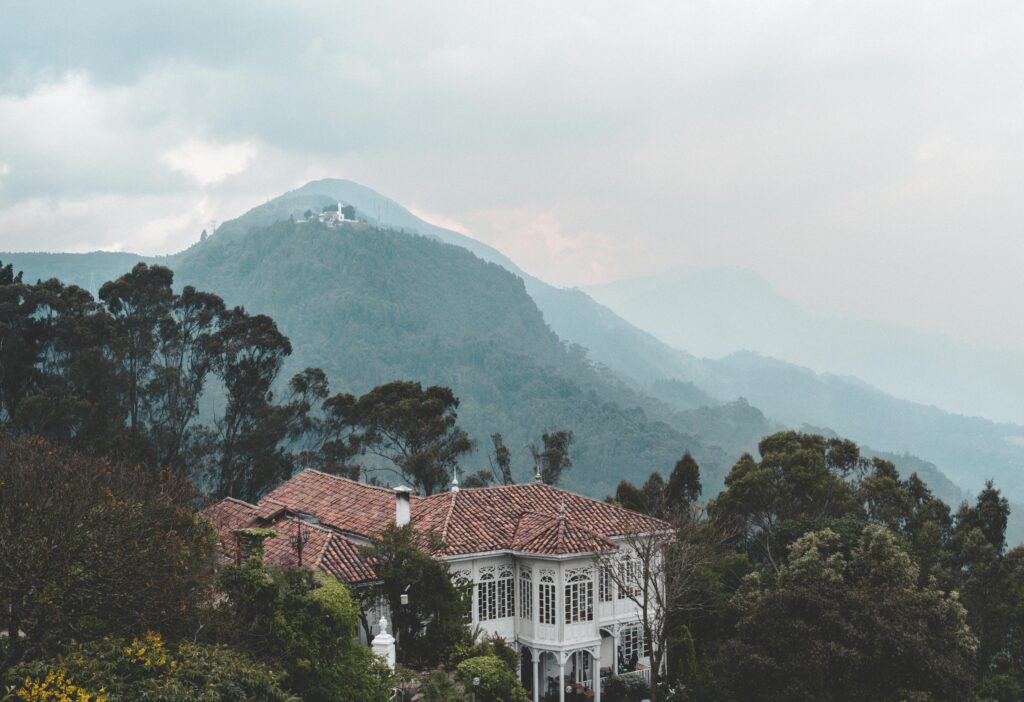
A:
[(866, 157)]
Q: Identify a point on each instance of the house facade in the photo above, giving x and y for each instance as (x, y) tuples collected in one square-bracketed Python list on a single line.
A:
[(538, 558)]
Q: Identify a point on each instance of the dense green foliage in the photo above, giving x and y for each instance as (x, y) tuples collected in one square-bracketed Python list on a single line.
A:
[(93, 551), (849, 621), (301, 623), (491, 680), (845, 582), (119, 670), (432, 626), (89, 548)]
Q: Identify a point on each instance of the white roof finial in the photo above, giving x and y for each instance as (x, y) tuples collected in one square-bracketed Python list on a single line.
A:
[(455, 479)]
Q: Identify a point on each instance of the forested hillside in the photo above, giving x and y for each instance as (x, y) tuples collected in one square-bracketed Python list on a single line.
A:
[(369, 306), (970, 450)]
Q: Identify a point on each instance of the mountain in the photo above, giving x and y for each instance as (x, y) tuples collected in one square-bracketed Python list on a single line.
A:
[(716, 311), (370, 304), (723, 305)]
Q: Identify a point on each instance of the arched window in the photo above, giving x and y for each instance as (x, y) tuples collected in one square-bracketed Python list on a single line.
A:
[(546, 597), (525, 593), (463, 582), (506, 592), (579, 595), (495, 596)]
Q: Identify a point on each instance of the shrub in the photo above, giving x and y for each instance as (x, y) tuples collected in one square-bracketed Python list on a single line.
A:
[(626, 689), (303, 624), (497, 683), (117, 670)]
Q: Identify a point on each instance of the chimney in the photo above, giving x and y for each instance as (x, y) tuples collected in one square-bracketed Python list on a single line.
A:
[(403, 512)]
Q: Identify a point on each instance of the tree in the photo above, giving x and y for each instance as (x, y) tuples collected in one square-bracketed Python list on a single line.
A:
[(844, 622), (250, 352), (138, 302), (441, 687), (502, 460), (348, 211), (553, 460), (412, 428), (662, 572), (684, 483), (648, 499), (89, 547), (802, 481), (302, 623), (123, 378), (433, 624), (184, 358)]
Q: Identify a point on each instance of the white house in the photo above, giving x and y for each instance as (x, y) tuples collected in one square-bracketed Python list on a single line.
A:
[(536, 555)]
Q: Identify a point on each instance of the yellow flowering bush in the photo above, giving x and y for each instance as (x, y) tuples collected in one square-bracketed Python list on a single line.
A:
[(55, 687), (150, 652)]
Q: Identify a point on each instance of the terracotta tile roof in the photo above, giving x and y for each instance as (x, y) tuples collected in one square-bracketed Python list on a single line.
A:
[(529, 518), (322, 548), (343, 560), (337, 502), (473, 520), (547, 534)]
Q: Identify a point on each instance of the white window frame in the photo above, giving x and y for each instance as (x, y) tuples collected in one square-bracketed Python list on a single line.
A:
[(579, 596), (525, 593), (547, 605)]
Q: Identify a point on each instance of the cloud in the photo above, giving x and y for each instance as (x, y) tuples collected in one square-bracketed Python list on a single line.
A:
[(541, 245), (817, 143), (209, 163)]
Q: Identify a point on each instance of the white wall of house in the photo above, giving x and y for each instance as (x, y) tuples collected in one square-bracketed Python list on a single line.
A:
[(524, 600)]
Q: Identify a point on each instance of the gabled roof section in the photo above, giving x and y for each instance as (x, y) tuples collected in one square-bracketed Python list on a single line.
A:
[(340, 503), (531, 518), (322, 548), (549, 534), (475, 520)]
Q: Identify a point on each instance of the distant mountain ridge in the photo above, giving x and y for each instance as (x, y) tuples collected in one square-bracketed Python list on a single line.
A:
[(715, 311), (369, 286), (967, 449)]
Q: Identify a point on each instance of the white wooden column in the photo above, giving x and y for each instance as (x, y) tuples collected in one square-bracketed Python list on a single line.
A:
[(561, 677), (615, 649), (595, 659), (536, 682)]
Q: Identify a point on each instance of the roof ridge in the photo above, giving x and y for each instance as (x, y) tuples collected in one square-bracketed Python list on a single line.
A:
[(311, 525), (323, 552), (448, 517), (235, 499), (347, 480)]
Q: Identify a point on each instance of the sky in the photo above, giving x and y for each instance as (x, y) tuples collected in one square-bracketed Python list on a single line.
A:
[(866, 158)]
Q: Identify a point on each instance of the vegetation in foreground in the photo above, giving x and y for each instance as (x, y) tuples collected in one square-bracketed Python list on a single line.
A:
[(816, 574)]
